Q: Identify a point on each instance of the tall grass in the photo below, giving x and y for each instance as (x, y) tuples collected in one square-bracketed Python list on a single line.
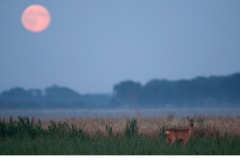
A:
[(208, 126), (23, 127), (131, 128), (212, 135)]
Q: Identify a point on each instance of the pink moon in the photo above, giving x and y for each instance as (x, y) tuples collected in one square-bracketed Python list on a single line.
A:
[(36, 18)]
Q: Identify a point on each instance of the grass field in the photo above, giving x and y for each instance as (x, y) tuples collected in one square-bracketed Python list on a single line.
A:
[(213, 135)]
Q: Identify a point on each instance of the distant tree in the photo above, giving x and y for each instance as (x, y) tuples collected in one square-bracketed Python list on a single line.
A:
[(18, 98), (18, 94), (187, 92), (56, 94), (158, 92), (36, 95), (229, 90), (128, 92), (201, 91)]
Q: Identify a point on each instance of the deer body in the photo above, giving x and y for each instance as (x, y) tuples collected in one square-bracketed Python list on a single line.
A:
[(183, 135)]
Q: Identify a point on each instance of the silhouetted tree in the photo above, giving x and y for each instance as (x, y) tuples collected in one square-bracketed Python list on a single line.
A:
[(158, 92), (128, 92), (56, 94), (201, 91), (18, 94)]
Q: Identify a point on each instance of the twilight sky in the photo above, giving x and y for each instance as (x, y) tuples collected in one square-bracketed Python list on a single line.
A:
[(90, 46)]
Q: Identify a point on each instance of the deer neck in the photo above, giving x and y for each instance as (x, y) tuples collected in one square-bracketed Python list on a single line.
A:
[(190, 129)]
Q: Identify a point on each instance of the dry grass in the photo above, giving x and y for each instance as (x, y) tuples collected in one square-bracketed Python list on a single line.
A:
[(213, 126)]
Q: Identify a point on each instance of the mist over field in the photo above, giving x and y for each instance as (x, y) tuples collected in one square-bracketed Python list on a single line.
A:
[(219, 95)]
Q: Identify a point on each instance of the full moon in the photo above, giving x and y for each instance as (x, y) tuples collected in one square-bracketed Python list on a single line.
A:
[(36, 18)]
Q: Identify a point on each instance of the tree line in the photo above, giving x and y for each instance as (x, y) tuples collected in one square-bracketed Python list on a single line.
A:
[(52, 97), (200, 92)]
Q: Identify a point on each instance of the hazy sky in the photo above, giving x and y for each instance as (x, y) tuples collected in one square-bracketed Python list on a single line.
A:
[(90, 46)]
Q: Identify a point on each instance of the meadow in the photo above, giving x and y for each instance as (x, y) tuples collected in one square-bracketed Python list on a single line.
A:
[(213, 135)]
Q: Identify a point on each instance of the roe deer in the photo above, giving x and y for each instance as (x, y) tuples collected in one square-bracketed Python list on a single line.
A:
[(183, 135)]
